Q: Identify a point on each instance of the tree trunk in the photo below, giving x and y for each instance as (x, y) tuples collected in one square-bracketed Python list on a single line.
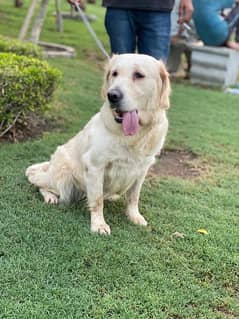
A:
[(18, 3), (59, 23), (37, 26), (27, 20)]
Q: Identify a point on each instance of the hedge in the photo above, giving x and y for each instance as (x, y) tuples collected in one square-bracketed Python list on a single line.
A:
[(20, 48), (26, 85)]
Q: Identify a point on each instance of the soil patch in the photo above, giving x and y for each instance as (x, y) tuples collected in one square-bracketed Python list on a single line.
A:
[(33, 127), (177, 163)]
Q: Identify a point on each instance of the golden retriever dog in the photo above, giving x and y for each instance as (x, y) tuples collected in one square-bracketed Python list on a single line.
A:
[(112, 154)]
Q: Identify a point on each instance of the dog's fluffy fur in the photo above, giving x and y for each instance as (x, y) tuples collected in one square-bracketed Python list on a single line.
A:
[(100, 160)]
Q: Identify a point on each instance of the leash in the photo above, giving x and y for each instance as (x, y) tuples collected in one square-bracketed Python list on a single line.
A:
[(90, 29)]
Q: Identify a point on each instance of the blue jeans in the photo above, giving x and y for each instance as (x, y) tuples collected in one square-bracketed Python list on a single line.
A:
[(146, 31)]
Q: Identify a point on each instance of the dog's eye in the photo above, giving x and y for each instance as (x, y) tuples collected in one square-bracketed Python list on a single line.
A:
[(138, 75), (115, 73)]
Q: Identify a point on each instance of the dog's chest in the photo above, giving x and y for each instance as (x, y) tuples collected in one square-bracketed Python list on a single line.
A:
[(120, 175)]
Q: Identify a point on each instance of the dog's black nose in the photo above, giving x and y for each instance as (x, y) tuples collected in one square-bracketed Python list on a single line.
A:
[(115, 96)]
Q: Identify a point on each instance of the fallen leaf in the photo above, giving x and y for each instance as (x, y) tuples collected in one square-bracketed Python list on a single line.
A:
[(202, 231)]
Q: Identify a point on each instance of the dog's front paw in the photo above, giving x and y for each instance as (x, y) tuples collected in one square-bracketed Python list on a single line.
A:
[(137, 219), (103, 228)]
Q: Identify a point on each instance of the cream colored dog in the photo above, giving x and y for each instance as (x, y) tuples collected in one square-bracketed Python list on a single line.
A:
[(114, 151)]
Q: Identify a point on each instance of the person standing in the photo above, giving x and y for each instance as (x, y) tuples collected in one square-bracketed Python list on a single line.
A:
[(142, 26)]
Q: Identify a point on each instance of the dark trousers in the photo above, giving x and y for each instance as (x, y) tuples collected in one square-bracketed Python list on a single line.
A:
[(233, 22)]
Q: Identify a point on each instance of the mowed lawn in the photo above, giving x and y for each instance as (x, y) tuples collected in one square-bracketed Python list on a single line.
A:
[(51, 266)]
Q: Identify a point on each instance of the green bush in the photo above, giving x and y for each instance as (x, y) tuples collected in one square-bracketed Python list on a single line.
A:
[(26, 85), (20, 48)]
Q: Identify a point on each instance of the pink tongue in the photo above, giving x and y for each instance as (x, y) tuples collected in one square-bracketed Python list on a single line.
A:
[(130, 123)]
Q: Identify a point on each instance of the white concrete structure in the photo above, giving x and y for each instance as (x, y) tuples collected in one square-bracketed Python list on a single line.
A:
[(214, 66)]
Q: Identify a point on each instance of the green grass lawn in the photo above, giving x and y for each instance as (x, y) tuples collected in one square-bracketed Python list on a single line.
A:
[(52, 267)]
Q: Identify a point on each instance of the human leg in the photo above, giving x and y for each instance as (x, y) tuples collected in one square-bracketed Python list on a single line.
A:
[(120, 27), (211, 28), (237, 32), (233, 45), (153, 30), (232, 20)]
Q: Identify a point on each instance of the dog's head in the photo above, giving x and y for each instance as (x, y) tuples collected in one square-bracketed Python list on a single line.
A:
[(136, 87)]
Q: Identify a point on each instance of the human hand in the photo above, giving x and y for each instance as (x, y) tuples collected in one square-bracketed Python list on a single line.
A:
[(72, 2), (185, 11)]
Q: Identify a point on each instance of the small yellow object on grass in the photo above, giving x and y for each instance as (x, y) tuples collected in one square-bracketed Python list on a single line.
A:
[(202, 231)]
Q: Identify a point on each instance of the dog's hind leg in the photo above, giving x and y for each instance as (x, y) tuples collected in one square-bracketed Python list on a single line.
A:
[(55, 182), (36, 168), (38, 175)]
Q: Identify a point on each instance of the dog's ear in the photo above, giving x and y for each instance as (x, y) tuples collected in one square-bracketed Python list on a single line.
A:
[(164, 86), (105, 85), (105, 81)]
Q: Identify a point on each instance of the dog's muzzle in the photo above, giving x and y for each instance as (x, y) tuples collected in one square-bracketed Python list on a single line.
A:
[(128, 119), (115, 97)]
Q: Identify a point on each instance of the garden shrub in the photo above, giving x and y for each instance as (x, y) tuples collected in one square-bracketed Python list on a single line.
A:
[(26, 85), (20, 48)]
